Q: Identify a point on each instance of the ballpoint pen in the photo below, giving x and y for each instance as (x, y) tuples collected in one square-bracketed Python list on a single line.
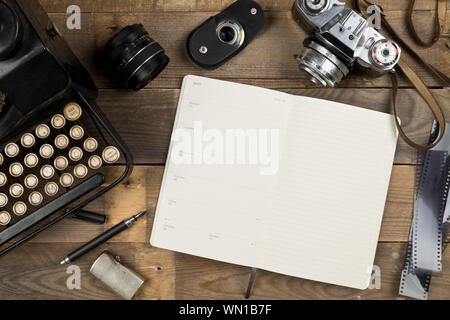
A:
[(101, 238)]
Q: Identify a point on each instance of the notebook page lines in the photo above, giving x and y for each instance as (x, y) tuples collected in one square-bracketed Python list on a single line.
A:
[(215, 211), (328, 206)]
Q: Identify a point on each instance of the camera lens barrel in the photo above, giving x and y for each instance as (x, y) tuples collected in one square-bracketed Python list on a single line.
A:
[(321, 65), (136, 58), (231, 32)]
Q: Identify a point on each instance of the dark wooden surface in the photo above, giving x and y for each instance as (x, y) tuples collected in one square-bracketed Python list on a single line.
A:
[(145, 120)]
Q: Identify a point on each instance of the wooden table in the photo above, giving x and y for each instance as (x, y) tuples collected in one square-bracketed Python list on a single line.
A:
[(145, 119)]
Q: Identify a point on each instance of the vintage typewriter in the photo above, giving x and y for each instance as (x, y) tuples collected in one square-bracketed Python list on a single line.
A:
[(56, 147)]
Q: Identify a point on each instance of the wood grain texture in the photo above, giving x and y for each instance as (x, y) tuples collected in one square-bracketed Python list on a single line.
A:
[(60, 6), (269, 61), (145, 119), (171, 275)]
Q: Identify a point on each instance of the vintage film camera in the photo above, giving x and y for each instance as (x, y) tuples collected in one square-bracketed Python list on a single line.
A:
[(341, 37), (56, 147)]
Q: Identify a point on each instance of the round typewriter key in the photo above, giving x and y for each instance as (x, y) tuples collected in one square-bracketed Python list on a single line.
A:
[(16, 169), (90, 145), (3, 179), (31, 181), (72, 111), (58, 121), (80, 171), (11, 150), (1, 159), (95, 162), (46, 151), (76, 132), (31, 160), (16, 190), (42, 131), (47, 172), (66, 180), (3, 200), (35, 198), (61, 163), (51, 189), (20, 208), (61, 141), (111, 155), (5, 218), (75, 154), (27, 140)]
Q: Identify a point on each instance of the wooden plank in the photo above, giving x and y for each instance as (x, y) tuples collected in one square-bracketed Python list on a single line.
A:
[(150, 115), (60, 6), (269, 61), (222, 281), (172, 275), (141, 192), (34, 272)]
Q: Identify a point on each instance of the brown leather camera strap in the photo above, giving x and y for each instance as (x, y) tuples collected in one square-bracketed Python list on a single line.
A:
[(440, 21), (426, 95), (412, 76)]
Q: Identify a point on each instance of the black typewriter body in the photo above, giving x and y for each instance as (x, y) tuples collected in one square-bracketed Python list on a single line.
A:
[(56, 147)]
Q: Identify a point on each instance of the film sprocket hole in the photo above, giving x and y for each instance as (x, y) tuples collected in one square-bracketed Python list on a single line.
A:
[(223, 36)]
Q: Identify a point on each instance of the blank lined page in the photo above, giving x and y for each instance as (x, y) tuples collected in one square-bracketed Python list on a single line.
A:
[(331, 193), (216, 210), (317, 217)]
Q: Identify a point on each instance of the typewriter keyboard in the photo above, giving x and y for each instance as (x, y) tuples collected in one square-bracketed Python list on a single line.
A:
[(52, 161)]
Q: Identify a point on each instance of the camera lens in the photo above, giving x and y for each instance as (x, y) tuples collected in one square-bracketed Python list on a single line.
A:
[(227, 34), (10, 31), (135, 56), (231, 32), (321, 66)]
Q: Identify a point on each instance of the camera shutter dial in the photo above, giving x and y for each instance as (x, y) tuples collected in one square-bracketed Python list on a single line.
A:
[(384, 54), (315, 6), (10, 30)]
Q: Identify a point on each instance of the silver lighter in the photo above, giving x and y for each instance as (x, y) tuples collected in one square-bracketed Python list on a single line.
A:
[(120, 279)]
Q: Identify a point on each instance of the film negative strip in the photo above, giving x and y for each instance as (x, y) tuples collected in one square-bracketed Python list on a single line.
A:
[(429, 227), (445, 207)]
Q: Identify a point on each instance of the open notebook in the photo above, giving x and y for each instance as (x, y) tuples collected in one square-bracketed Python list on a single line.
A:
[(285, 183)]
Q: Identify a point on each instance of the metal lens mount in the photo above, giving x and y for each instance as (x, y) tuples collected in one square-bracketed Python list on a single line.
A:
[(231, 32), (322, 66)]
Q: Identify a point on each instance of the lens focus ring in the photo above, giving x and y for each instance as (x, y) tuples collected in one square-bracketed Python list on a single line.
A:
[(135, 56), (322, 66)]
